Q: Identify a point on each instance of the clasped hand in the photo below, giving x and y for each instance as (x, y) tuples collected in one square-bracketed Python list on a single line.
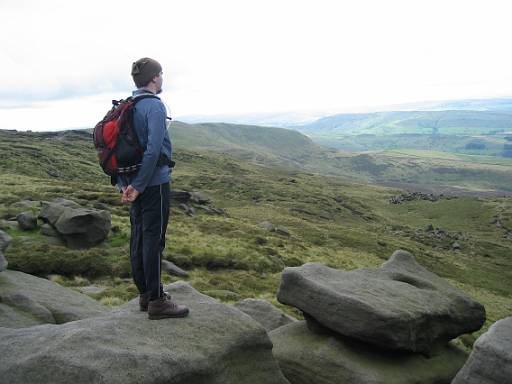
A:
[(130, 194)]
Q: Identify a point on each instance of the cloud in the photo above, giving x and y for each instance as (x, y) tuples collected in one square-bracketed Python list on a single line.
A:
[(232, 57)]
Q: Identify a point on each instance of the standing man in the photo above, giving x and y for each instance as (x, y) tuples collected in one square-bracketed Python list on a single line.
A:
[(148, 192)]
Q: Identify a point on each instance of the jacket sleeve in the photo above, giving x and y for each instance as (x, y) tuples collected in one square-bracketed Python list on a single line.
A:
[(156, 132)]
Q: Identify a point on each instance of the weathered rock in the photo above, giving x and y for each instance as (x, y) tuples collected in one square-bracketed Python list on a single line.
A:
[(400, 305), (83, 227), (179, 196), (27, 221), (215, 344), (28, 300), (78, 227), (48, 230), (199, 198), (173, 269), (267, 225), (306, 357), (490, 361), (264, 313), (5, 240), (282, 231)]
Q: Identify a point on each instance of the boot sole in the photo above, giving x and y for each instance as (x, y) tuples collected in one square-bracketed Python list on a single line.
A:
[(160, 317)]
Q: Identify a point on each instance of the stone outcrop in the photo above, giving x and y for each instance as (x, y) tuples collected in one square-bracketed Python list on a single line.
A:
[(27, 221), (27, 300), (490, 361), (400, 305), (307, 357), (78, 227), (5, 240), (215, 344), (264, 313)]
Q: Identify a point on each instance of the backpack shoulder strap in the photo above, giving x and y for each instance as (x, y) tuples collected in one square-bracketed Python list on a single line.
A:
[(137, 98)]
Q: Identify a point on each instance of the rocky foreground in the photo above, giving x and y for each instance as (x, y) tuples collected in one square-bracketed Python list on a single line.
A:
[(390, 325)]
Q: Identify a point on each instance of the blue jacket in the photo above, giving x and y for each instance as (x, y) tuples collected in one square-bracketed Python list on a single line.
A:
[(149, 122)]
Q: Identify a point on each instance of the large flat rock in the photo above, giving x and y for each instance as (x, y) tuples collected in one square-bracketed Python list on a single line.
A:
[(215, 344), (490, 361), (330, 358), (27, 300), (400, 305)]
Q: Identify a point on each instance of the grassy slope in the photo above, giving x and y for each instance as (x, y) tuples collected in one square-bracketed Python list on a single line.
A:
[(453, 122), (345, 225), (451, 131)]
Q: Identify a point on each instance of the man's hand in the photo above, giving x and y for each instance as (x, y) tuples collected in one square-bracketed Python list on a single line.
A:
[(130, 194)]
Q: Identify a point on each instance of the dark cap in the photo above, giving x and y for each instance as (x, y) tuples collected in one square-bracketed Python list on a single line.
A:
[(143, 71)]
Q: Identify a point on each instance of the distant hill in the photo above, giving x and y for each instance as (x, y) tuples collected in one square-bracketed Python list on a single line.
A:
[(69, 155), (450, 122)]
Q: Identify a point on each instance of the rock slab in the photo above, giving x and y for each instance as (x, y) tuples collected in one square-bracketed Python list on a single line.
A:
[(490, 361), (306, 358), (400, 305), (264, 313), (27, 300), (215, 344)]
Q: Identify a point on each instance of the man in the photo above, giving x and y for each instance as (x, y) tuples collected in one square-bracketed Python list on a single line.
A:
[(148, 193)]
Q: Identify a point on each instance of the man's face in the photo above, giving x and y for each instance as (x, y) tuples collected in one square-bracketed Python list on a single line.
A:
[(159, 80)]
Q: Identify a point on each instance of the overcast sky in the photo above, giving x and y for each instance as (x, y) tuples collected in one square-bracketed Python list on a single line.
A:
[(62, 62)]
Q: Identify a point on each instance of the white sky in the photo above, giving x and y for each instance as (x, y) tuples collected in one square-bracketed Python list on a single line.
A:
[(62, 62)]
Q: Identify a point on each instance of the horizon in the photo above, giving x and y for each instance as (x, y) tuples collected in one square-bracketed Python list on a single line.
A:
[(273, 61)]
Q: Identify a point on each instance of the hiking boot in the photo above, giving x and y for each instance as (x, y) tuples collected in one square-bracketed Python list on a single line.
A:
[(143, 302), (165, 307)]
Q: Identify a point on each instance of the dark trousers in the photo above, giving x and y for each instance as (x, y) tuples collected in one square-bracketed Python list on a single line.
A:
[(149, 215)]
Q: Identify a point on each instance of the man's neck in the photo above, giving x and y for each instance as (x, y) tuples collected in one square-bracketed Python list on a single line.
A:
[(149, 89)]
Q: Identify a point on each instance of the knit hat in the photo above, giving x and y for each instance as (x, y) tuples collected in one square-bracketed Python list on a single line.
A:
[(143, 71)]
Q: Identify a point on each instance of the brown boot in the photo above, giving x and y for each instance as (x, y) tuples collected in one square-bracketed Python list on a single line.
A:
[(143, 302), (165, 307)]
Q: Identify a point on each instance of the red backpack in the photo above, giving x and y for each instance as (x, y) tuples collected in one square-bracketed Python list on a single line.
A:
[(115, 140)]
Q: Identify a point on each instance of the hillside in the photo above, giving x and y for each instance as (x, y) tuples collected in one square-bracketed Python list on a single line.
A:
[(449, 122), (322, 218), (455, 131), (290, 149)]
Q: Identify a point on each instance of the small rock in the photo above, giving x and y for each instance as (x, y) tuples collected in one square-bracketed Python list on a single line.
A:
[(199, 198), (283, 231), (456, 246), (48, 230), (27, 221), (180, 196), (173, 269), (267, 225)]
